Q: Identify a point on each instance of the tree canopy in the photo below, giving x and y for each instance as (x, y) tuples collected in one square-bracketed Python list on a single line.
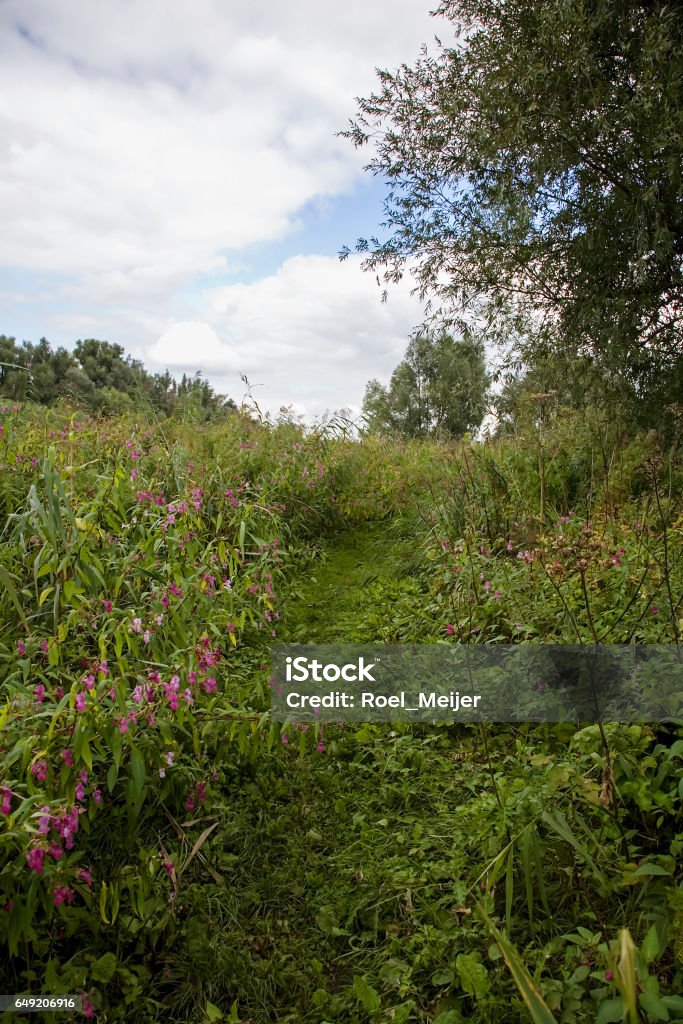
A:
[(534, 178), (99, 376), (439, 388)]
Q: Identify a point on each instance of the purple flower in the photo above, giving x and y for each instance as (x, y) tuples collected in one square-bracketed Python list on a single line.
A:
[(35, 858)]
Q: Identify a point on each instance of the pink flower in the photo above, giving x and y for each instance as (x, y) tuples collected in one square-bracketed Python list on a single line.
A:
[(80, 791), (107, 605), (39, 771), (102, 669), (56, 851), (20, 647), (210, 685), (6, 804), (97, 796), (68, 757), (169, 868), (654, 609), (89, 682), (449, 629), (285, 739), (88, 1009), (62, 894), (44, 821), (85, 875), (321, 747), (44, 646), (80, 701), (40, 693), (608, 975), (35, 858)]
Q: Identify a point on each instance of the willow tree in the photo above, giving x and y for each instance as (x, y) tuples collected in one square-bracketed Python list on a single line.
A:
[(533, 170)]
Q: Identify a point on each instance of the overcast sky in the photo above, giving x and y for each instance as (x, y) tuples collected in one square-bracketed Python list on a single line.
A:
[(170, 179)]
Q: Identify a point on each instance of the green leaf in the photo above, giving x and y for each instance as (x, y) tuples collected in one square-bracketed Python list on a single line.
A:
[(611, 1011), (473, 975), (536, 1005), (7, 583), (649, 869), (366, 994), (103, 969), (136, 783), (650, 947)]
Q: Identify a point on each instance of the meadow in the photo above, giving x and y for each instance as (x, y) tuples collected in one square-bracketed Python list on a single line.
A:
[(171, 854)]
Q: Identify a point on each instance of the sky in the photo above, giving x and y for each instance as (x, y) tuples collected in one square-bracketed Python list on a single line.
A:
[(171, 179)]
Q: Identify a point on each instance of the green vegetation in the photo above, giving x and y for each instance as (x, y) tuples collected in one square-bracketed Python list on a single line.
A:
[(168, 851), (100, 377), (534, 183), (438, 389), (172, 854)]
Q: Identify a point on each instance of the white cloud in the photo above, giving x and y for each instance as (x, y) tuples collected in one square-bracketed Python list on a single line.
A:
[(142, 134), (312, 334), (145, 143)]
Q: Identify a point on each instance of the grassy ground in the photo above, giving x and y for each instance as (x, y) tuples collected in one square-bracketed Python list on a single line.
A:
[(348, 587)]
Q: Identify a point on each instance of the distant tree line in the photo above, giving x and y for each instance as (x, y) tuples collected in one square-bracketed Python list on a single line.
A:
[(99, 376)]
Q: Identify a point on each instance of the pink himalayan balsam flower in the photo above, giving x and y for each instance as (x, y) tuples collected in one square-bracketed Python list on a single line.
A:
[(80, 701), (6, 803), (97, 796), (68, 757), (21, 649), (210, 685), (85, 875), (449, 629), (63, 894), (40, 693), (35, 858), (39, 771), (88, 1009)]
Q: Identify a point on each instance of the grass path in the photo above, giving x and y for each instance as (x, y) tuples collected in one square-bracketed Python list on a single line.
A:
[(351, 593)]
